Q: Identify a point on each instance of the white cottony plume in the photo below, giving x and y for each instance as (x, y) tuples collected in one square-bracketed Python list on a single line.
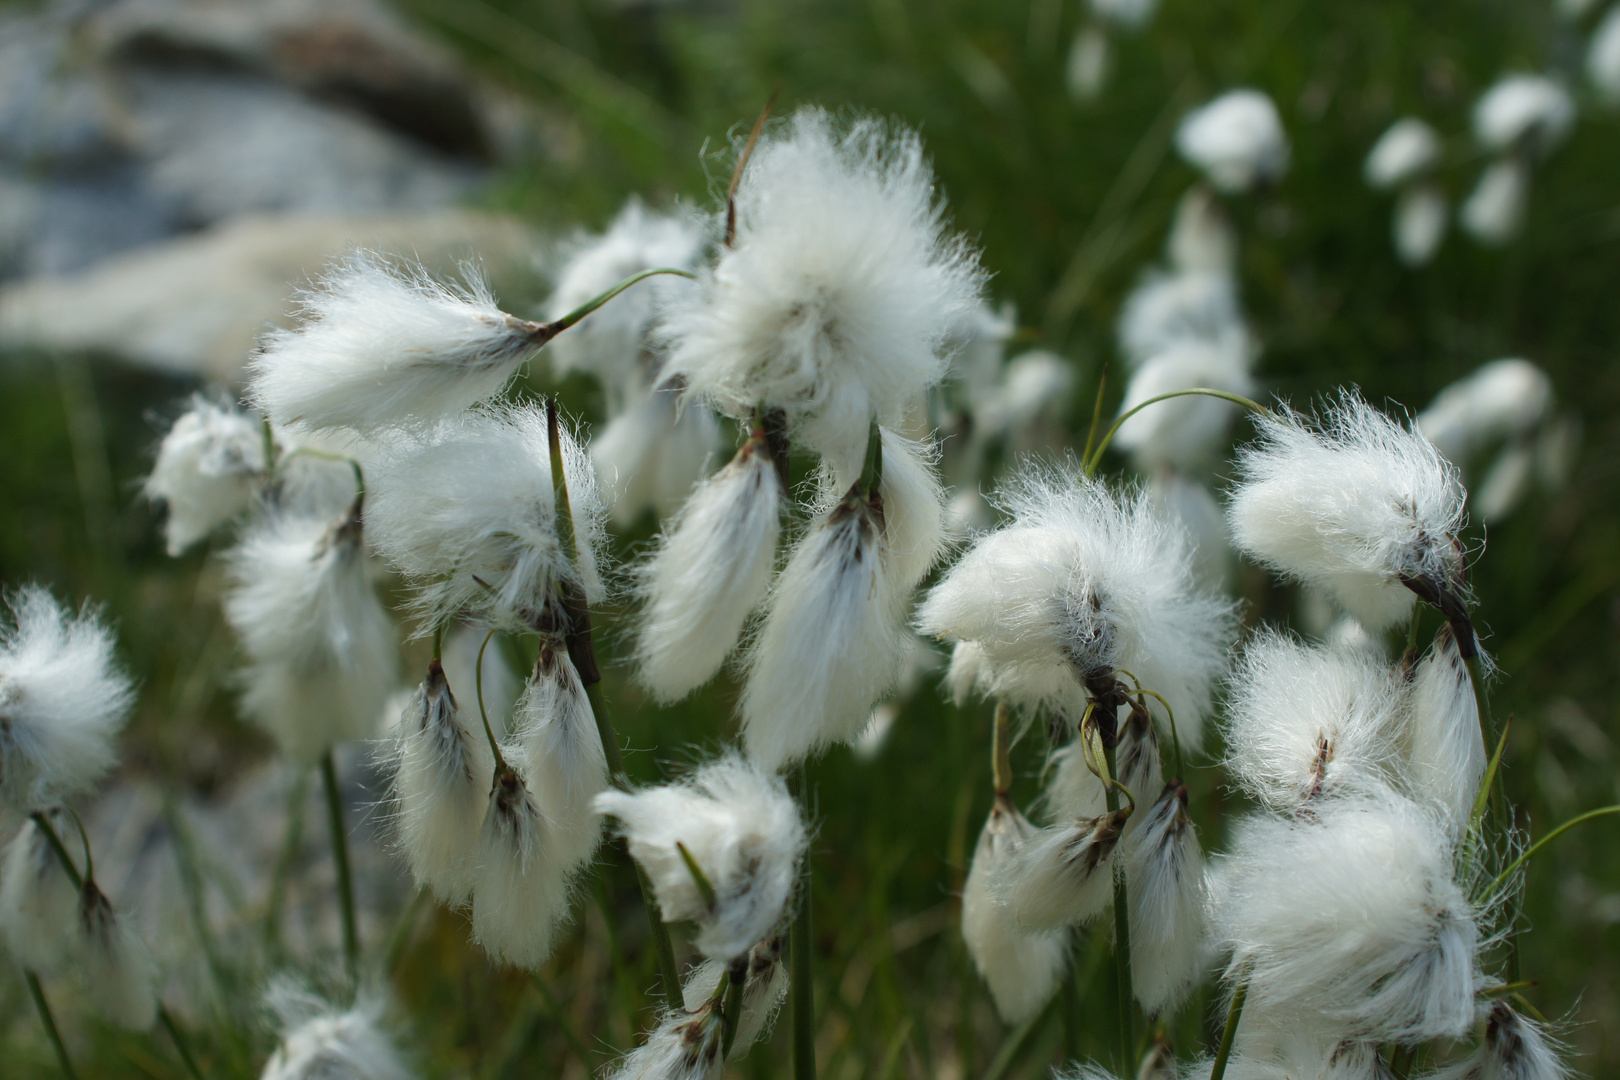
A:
[(1237, 140), (913, 510), (1350, 916), (1189, 503), (463, 647), (521, 890), (765, 985), (1447, 752), (1074, 792), (684, 1046), (1130, 14), (1299, 1054), (320, 1042), (206, 469), (38, 900), (1515, 1047), (1305, 723), (1508, 480), (1201, 241), (1165, 867), (1031, 399), (442, 771), (978, 344), (1358, 505), (1185, 431), (63, 700), (839, 291), (1166, 310), (116, 966), (611, 342), (467, 513), (1603, 58), (1090, 60), (1504, 399), (650, 456), (739, 827), (1021, 967), (320, 645), (1494, 211), (1063, 874), (382, 345), (1421, 216), (1136, 762), (566, 763), (1084, 582), (711, 567), (1523, 112), (1402, 154)]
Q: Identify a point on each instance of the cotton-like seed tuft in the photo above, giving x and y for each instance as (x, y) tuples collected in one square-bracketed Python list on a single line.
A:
[(1129, 14), (651, 455), (1136, 762), (742, 829), (63, 700), (1494, 210), (840, 290), (116, 966), (684, 1046), (566, 763), (913, 510), (1504, 399), (712, 566), (521, 891), (1528, 112), (1402, 154), (1164, 866), (1063, 874), (1421, 216), (206, 470), (1447, 750), (1034, 392), (1185, 432), (1603, 58), (382, 345), (1021, 967), (38, 901), (319, 1042), (1166, 310), (1237, 140), (1514, 1048), (766, 984)]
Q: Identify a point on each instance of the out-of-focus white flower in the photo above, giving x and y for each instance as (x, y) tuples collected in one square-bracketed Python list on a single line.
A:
[(1514, 1048), (566, 765), (521, 889), (1494, 210), (1166, 310), (1530, 112), (1130, 14), (1447, 747), (610, 343), (711, 568), (1421, 216), (1350, 916), (1201, 237), (684, 1046), (117, 968), (1083, 582), (1090, 60), (1305, 723), (765, 985), (1573, 9), (978, 344), (1506, 484), (1402, 154), (1356, 504), (740, 827), (1237, 140), (1190, 503), (206, 469), (650, 455), (319, 1042), (320, 645), (38, 902), (1165, 868), (1184, 431), (1021, 967), (1499, 400), (1603, 57), (467, 514), (501, 685), (383, 345), (839, 293), (1031, 397), (63, 700)]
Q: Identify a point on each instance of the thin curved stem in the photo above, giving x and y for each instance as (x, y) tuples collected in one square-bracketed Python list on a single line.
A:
[(181, 1045), (1484, 797), (1096, 415), (84, 841), (340, 857), (327, 455), (1122, 939), (1234, 1013), (595, 302), (478, 690), (43, 824), (1502, 878), (43, 1007), (1197, 391)]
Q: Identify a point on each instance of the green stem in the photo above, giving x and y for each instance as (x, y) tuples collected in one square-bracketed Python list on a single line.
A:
[(340, 859), (37, 992), (872, 470), (1482, 800), (1070, 1004), (731, 1015), (181, 1046), (1400, 1061), (43, 824), (1234, 1013), (1122, 941), (286, 860), (801, 946), (1199, 391), (1502, 878), (1096, 415), (595, 302), (483, 714)]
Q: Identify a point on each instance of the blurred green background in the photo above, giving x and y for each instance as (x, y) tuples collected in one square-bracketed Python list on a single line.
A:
[(1071, 202)]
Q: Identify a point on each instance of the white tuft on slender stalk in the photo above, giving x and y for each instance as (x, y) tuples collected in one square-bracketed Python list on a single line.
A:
[(1304, 723), (320, 645), (1185, 432), (1201, 241), (1506, 483), (566, 763), (1515, 1047), (684, 1046), (1404, 153), (442, 771), (206, 470), (711, 568), (740, 827), (1237, 140), (1029, 400), (1523, 112), (1603, 58), (1353, 503), (116, 966), (382, 345), (766, 984), (913, 537), (320, 1042), (1063, 874), (1022, 968), (1074, 792), (651, 455), (63, 700), (1503, 399), (1190, 504), (521, 891), (1166, 310), (1083, 582), (1136, 763), (502, 686), (1165, 867), (1350, 916), (838, 294), (1494, 211), (467, 513), (1421, 216), (38, 901), (1447, 750)]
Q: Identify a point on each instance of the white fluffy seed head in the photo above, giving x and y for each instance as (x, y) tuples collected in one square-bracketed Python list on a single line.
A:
[(1350, 502), (766, 984), (566, 765), (836, 300), (1165, 310), (1083, 582), (1603, 58), (1137, 764), (117, 968), (466, 512), (382, 345), (1306, 723), (1447, 748), (1130, 14), (650, 455), (914, 534), (442, 768), (1062, 875), (742, 829), (207, 468), (320, 645), (1515, 1047), (1201, 239), (521, 890), (711, 567), (1164, 865), (1190, 504), (1402, 154), (1185, 432), (1030, 400), (319, 1042), (1237, 140), (1530, 112), (684, 1046), (1419, 226), (1021, 967), (1350, 917), (63, 700), (1494, 210), (978, 345), (1503, 399), (38, 901)]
